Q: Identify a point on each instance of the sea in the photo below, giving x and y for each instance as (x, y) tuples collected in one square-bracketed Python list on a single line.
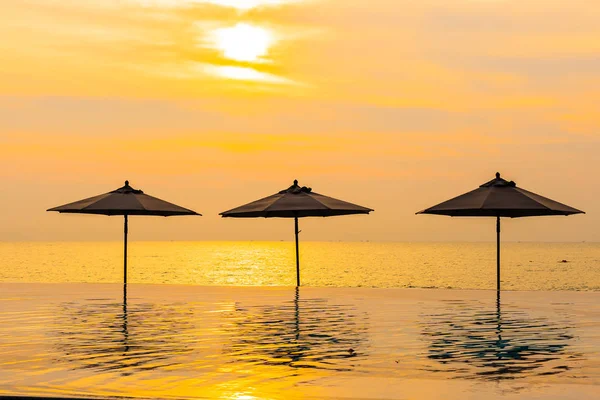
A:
[(524, 266), (224, 320)]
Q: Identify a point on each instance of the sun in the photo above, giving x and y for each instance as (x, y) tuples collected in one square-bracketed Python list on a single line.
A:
[(243, 42), (245, 5)]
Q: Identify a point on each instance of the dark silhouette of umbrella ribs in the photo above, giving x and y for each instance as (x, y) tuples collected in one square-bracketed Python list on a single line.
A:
[(296, 202), (500, 198), (124, 201)]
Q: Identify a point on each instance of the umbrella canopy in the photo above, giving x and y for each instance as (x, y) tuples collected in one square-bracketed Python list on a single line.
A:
[(500, 198), (124, 201), (296, 202)]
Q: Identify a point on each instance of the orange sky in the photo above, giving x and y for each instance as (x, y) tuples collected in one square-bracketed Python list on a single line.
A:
[(392, 104)]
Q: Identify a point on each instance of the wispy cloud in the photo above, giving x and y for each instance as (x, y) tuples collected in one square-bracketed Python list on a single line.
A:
[(386, 94)]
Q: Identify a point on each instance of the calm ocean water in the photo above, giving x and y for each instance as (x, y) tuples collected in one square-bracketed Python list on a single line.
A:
[(525, 266), (279, 343), (219, 320)]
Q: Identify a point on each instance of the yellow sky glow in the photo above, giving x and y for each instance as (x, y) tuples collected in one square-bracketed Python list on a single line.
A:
[(396, 105), (245, 74)]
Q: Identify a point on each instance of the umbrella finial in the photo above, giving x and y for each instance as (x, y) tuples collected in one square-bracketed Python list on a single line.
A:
[(295, 182), (126, 183), (497, 175)]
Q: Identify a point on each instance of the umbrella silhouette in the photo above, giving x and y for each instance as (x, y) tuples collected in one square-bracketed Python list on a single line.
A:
[(500, 198), (296, 202), (124, 201)]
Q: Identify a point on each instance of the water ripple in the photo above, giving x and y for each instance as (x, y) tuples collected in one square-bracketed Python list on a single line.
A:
[(180, 342), (312, 333), (107, 336), (472, 341)]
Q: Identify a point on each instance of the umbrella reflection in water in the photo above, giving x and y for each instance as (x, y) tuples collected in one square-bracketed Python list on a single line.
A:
[(474, 343), (310, 333), (107, 335)]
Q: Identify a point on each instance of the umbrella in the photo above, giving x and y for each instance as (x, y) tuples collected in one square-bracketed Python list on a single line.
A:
[(500, 198), (296, 202), (124, 201)]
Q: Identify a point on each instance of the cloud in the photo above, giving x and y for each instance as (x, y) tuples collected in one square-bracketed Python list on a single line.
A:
[(407, 100)]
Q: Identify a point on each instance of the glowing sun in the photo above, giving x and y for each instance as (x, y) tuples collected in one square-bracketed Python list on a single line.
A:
[(243, 42)]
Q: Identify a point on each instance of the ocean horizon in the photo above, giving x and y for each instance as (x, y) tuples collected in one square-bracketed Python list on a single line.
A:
[(352, 123), (385, 320), (445, 265)]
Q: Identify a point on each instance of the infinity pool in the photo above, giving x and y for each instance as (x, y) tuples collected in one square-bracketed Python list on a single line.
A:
[(170, 341)]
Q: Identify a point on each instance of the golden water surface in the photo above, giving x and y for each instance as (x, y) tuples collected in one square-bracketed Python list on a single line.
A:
[(174, 341), (222, 320), (525, 266)]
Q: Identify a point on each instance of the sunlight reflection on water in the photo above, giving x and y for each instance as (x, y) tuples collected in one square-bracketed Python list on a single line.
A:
[(168, 341), (470, 340), (310, 333), (525, 266)]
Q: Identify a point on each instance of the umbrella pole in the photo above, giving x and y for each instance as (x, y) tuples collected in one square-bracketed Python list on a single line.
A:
[(126, 230), (297, 253), (498, 254)]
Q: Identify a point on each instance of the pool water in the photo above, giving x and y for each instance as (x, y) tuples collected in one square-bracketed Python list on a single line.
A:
[(184, 341)]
